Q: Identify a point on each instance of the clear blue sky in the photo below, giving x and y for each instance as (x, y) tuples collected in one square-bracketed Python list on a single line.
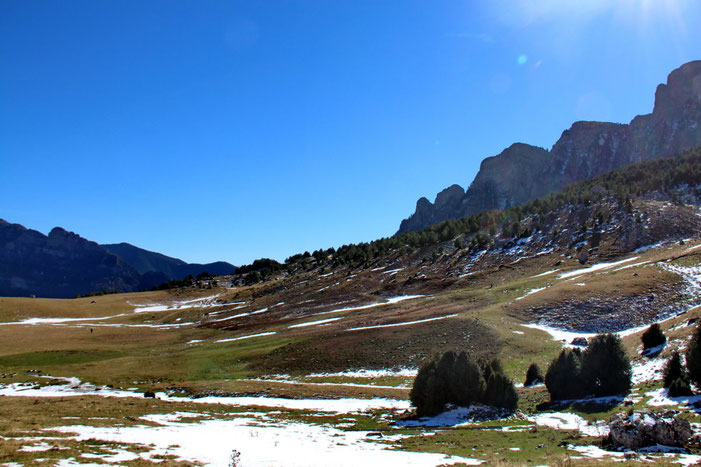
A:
[(234, 130)]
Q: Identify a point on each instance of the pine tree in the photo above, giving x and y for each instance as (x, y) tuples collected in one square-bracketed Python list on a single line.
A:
[(606, 368), (501, 391), (693, 357), (563, 376), (673, 370), (469, 383)]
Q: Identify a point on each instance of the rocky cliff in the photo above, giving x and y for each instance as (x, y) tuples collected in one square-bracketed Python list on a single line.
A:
[(587, 149)]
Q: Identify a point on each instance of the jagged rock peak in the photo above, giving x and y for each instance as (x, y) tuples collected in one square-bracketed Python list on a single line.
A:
[(587, 149), (683, 84)]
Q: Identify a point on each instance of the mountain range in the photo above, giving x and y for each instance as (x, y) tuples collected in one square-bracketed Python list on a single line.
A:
[(587, 149), (63, 264)]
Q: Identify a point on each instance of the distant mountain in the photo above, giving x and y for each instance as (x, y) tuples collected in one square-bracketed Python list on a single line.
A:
[(60, 265), (63, 264), (523, 172), (145, 261)]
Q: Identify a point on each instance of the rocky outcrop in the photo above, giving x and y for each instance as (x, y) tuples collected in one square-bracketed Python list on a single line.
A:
[(585, 150), (447, 202), (644, 428)]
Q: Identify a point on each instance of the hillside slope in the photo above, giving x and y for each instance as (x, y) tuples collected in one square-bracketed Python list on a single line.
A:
[(145, 261), (523, 172)]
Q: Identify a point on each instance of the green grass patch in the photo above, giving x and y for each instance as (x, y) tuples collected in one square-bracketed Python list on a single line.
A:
[(50, 358)]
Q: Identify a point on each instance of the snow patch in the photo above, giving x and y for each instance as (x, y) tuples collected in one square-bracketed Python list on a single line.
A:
[(406, 323), (594, 268)]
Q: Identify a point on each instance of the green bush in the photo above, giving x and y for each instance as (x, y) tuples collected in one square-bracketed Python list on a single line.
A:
[(693, 357), (606, 368), (563, 376), (603, 369), (501, 392), (456, 378), (533, 375), (673, 370), (653, 337)]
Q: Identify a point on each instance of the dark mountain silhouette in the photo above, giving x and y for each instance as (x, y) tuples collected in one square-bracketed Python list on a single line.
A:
[(523, 172), (59, 265), (64, 264), (145, 261)]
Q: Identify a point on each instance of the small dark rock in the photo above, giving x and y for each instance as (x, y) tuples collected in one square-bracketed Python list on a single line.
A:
[(150, 394), (581, 341)]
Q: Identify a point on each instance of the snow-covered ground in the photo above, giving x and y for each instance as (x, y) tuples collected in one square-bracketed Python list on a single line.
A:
[(530, 292), (74, 387), (367, 373), (204, 302), (559, 334), (648, 370), (250, 336), (660, 398), (260, 442), (569, 421), (315, 323), (389, 301)]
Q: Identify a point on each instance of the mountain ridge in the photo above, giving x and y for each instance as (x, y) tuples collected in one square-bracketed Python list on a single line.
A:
[(523, 172), (63, 264)]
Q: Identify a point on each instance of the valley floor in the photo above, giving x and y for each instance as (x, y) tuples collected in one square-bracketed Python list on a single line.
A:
[(316, 370)]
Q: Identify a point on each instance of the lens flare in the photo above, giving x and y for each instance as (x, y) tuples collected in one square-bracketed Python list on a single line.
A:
[(522, 59)]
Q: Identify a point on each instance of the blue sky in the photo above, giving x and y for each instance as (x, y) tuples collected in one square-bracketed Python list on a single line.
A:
[(232, 130)]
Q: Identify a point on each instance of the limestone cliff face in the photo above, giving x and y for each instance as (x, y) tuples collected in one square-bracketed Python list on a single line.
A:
[(587, 149)]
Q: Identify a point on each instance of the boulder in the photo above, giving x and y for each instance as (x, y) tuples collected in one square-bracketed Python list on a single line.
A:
[(644, 428), (581, 341)]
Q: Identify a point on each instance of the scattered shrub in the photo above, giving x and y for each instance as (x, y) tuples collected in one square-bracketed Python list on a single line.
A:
[(673, 370), (533, 375), (679, 388), (653, 337), (693, 357)]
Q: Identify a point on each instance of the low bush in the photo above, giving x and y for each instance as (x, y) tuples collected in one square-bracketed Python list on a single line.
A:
[(533, 375), (653, 337), (679, 388)]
